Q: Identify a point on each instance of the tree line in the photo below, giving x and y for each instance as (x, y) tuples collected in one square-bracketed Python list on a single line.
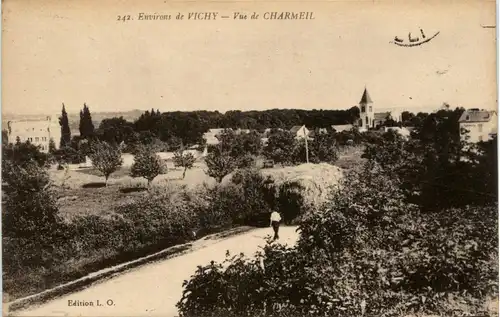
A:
[(171, 129)]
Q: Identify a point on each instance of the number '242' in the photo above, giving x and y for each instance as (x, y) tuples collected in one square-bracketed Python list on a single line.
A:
[(123, 18)]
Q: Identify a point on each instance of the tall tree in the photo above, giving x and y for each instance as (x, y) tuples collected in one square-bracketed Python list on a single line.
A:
[(86, 125), (65, 131)]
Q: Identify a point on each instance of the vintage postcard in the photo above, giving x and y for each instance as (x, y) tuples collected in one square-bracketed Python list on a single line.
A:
[(249, 158)]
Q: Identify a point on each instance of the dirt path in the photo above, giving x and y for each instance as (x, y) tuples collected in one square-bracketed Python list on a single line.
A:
[(153, 289)]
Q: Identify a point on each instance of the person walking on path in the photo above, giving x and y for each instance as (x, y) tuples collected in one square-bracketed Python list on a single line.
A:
[(275, 223)]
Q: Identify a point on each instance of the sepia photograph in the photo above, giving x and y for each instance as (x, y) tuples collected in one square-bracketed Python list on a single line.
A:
[(249, 158)]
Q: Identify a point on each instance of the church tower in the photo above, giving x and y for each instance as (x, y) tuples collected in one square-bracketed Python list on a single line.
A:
[(366, 111)]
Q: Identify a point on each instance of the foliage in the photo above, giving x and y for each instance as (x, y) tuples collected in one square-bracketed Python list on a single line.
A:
[(219, 163), (161, 218), (86, 124), (65, 130), (366, 252), (23, 153), (241, 147), (67, 155), (5, 137), (280, 145), (115, 130), (146, 164), (184, 160), (52, 146), (31, 226), (436, 168), (106, 158)]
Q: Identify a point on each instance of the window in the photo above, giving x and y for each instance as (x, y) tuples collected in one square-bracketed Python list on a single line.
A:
[(43, 147), (30, 139), (480, 138), (37, 139), (370, 108), (44, 138), (363, 108), (467, 118), (480, 127), (366, 120)]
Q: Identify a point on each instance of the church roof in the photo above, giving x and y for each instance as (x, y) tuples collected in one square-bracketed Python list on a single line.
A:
[(366, 97)]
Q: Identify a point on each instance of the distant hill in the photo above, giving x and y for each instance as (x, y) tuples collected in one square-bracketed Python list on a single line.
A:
[(74, 118)]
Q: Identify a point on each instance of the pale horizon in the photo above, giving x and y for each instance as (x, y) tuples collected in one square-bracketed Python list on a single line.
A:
[(74, 53)]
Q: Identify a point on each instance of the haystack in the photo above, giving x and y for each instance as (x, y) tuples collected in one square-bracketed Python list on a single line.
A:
[(316, 179)]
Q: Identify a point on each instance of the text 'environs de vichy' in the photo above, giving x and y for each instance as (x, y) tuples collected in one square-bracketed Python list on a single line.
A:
[(210, 16)]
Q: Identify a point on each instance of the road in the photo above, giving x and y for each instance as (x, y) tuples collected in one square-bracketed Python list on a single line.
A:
[(154, 289)]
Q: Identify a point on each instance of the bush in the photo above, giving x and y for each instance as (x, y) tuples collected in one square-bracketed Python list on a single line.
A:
[(367, 252), (22, 154), (162, 218)]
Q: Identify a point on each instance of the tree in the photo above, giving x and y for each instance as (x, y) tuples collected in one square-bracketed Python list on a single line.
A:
[(52, 146), (5, 137), (22, 154), (219, 163), (323, 148), (65, 131), (86, 125), (146, 164), (115, 130), (106, 158), (242, 147), (185, 160), (280, 146), (29, 205)]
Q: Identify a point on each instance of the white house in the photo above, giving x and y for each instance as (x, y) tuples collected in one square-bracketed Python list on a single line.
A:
[(37, 132), (478, 125), (299, 131)]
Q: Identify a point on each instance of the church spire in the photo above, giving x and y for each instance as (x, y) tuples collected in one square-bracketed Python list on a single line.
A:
[(366, 97)]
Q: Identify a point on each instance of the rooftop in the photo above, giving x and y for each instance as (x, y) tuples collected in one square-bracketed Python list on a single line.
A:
[(476, 115), (365, 98)]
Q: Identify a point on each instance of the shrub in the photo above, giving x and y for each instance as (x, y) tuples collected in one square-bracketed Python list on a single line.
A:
[(367, 252), (32, 230), (161, 218), (23, 153)]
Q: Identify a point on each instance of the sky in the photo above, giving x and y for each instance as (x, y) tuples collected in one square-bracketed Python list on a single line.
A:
[(58, 51)]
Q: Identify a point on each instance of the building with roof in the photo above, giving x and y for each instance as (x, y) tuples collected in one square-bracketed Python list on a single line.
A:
[(342, 127), (478, 125), (370, 119), (299, 131), (37, 132)]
